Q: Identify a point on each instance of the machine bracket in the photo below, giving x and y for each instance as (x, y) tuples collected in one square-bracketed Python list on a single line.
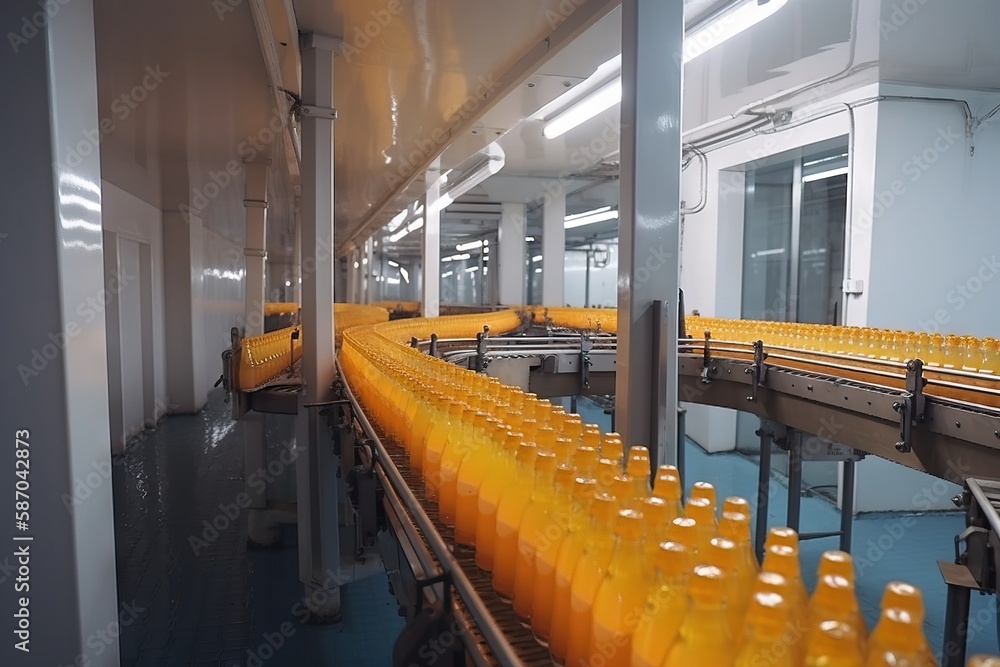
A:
[(433, 349), (308, 110), (481, 348), (707, 367), (758, 370), (586, 345), (912, 404)]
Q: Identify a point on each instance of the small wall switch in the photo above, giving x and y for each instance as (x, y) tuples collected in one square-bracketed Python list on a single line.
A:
[(854, 286)]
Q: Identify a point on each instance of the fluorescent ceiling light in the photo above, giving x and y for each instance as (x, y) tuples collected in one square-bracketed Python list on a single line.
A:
[(824, 174), (406, 275), (472, 269), (536, 258), (356, 265), (602, 99), (447, 274), (727, 25), (364, 260), (538, 270), (824, 159), (529, 239), (393, 264), (767, 253), (590, 217), (573, 111), (412, 227), (470, 245), (398, 220), (491, 161), (392, 281), (288, 283), (457, 258), (440, 204)]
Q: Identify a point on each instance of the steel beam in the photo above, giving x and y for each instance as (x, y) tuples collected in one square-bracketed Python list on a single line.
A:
[(55, 416), (649, 230)]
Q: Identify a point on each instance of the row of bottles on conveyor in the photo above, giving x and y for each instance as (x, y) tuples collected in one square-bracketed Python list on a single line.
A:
[(608, 567), (968, 353)]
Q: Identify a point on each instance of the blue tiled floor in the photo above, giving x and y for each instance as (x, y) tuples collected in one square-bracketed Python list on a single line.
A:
[(225, 605)]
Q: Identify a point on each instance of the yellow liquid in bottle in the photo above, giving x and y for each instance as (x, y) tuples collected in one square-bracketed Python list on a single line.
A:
[(764, 643), (736, 527), (499, 480), (622, 595), (473, 471), (898, 641), (900, 595), (665, 606), (436, 440), (464, 441), (585, 534), (510, 511), (565, 516), (703, 512), (722, 553), (704, 637), (531, 530), (833, 644), (834, 600)]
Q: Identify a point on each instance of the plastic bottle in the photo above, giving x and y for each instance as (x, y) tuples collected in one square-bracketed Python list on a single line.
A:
[(899, 641), (984, 661), (900, 595), (668, 487), (493, 487), (784, 560), (840, 563), (588, 532), (658, 519), (471, 474), (684, 530), (466, 441), (665, 606), (437, 437), (510, 511), (835, 600), (605, 474), (736, 527), (702, 511), (587, 578), (781, 535), (622, 595), (703, 490), (833, 644), (638, 469), (765, 634), (532, 530), (722, 553), (704, 637), (567, 518), (737, 505)]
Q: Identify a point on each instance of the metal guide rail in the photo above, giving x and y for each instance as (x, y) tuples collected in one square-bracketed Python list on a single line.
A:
[(491, 632)]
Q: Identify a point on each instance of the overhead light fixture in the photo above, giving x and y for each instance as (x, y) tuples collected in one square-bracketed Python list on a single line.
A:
[(462, 247), (364, 260), (447, 274), (472, 269), (536, 258), (606, 84), (590, 217), (538, 270), (457, 258), (392, 281), (406, 275), (412, 227), (288, 283), (356, 265), (490, 161), (824, 174), (393, 264), (529, 239), (728, 24)]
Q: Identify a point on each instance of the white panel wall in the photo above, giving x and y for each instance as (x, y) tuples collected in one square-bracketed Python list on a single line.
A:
[(221, 301), (131, 218)]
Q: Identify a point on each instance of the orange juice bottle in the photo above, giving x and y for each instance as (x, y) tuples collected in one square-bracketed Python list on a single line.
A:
[(622, 595), (499, 480), (834, 600), (432, 412), (684, 530), (585, 461), (900, 595), (702, 511), (657, 513), (589, 528), (785, 561), (587, 578), (781, 535), (736, 527), (638, 468), (568, 515), (434, 446), (668, 487), (898, 642), (531, 529), (665, 606), (722, 554), (767, 621), (471, 473), (833, 644), (605, 474), (612, 447), (840, 563), (623, 488), (464, 441), (704, 637), (703, 490), (984, 661), (591, 437), (510, 511)]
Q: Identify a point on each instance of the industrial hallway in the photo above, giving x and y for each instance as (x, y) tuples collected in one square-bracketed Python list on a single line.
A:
[(227, 605)]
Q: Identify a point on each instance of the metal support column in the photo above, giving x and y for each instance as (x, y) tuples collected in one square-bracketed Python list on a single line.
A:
[(794, 483), (511, 273), (255, 248), (649, 227), (430, 250), (554, 247), (847, 505), (55, 418), (316, 465), (763, 489)]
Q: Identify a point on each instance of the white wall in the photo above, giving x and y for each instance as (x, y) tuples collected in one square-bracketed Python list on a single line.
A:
[(131, 218)]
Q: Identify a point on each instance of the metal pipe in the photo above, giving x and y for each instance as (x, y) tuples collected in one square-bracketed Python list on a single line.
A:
[(847, 507), (763, 489), (485, 623)]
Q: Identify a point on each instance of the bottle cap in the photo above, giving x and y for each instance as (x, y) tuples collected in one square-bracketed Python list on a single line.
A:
[(657, 513), (526, 453), (630, 525), (584, 489), (701, 510), (835, 594), (703, 490), (735, 526), (706, 585), (839, 563), (782, 536), (784, 560), (736, 505), (685, 531), (901, 595), (667, 487), (672, 559), (722, 554), (546, 462), (585, 457)]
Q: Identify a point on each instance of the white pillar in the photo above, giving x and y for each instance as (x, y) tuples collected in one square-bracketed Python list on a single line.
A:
[(255, 248), (369, 272), (316, 466), (54, 418), (553, 248), (183, 243), (511, 272), (649, 231), (430, 247)]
